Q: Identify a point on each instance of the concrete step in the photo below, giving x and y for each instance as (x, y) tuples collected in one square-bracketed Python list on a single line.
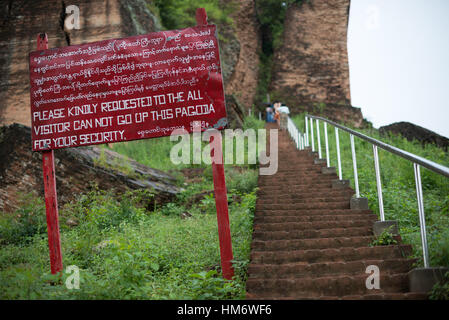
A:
[(306, 244), (298, 200), (301, 189), (308, 212), (331, 254), (312, 226), (295, 181), (312, 218), (302, 206), (309, 234), (340, 285), (378, 295), (262, 193), (352, 268)]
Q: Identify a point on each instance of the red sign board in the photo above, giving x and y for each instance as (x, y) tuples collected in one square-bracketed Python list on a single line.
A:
[(126, 89)]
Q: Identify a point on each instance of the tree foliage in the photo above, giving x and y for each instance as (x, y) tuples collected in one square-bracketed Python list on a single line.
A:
[(271, 17), (177, 14)]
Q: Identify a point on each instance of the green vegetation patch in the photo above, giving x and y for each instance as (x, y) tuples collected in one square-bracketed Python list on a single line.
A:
[(178, 14), (125, 251)]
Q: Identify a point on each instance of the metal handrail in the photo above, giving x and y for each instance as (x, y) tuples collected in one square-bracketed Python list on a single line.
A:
[(433, 166), (302, 141), (298, 137)]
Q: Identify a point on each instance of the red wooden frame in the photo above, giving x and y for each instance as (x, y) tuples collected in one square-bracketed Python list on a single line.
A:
[(221, 201)]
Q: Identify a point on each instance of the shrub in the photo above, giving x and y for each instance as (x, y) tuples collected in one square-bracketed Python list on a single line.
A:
[(176, 14), (104, 210), (207, 204), (439, 244), (210, 286), (253, 123), (384, 239), (440, 291), (27, 221), (242, 182), (172, 209)]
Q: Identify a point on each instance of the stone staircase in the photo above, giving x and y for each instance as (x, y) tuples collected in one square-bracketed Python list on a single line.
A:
[(309, 244)]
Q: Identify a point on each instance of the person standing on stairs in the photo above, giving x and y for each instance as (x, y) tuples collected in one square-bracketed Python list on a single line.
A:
[(277, 104), (270, 113)]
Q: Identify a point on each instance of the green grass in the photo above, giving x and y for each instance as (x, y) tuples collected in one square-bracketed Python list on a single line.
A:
[(150, 152), (125, 251), (398, 186)]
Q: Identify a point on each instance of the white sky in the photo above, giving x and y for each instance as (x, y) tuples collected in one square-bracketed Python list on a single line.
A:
[(399, 61)]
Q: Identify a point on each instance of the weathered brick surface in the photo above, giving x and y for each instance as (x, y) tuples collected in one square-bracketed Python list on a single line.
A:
[(311, 67), (313, 60), (23, 20), (76, 168), (243, 81)]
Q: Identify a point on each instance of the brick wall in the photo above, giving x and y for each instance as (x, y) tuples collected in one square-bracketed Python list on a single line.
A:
[(312, 63), (244, 79)]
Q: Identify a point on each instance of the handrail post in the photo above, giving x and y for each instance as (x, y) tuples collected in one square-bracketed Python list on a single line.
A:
[(307, 131), (289, 126), (295, 132), (422, 218), (379, 183), (337, 140), (328, 162), (311, 133), (318, 138), (354, 163), (291, 130)]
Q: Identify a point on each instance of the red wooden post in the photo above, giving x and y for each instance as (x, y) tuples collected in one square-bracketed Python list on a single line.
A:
[(51, 198), (201, 17), (221, 202), (221, 198)]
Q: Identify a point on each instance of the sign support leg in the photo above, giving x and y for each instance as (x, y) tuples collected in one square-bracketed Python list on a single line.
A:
[(51, 197), (51, 206), (221, 202), (221, 197)]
